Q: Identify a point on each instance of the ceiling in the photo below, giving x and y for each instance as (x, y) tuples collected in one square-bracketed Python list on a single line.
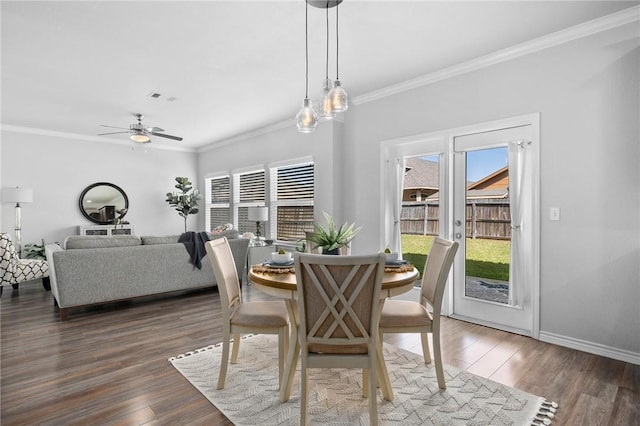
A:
[(235, 66)]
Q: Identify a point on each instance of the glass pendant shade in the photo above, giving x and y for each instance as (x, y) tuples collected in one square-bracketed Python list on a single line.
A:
[(326, 106), (339, 98), (307, 119)]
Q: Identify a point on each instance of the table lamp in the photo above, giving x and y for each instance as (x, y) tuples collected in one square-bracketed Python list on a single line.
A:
[(258, 214), (17, 195)]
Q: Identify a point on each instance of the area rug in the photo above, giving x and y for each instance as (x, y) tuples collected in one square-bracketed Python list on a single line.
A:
[(250, 396)]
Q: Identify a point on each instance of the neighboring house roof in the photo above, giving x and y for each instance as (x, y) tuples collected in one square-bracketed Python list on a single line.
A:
[(475, 194), (424, 174), (421, 174), (496, 180)]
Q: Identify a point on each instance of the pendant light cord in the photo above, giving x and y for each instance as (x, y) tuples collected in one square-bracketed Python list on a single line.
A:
[(326, 71), (337, 42), (306, 50)]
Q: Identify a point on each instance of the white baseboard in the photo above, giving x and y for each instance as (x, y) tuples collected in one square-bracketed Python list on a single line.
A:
[(590, 347)]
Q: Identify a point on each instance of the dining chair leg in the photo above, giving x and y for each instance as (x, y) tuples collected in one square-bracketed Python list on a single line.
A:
[(236, 348), (304, 397), (373, 395), (282, 353), (424, 337), (438, 356), (224, 362), (382, 375), (293, 352), (366, 376)]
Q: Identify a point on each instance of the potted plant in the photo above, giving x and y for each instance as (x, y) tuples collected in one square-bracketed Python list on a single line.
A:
[(185, 201), (330, 239), (34, 251)]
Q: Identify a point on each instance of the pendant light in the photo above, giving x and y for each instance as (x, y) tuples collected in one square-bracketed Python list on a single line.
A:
[(306, 119), (326, 106), (338, 96)]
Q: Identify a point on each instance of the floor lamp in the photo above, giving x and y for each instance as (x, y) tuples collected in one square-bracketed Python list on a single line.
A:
[(258, 214), (17, 195)]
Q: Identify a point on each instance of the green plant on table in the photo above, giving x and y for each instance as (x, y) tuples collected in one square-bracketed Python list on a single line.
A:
[(331, 238)]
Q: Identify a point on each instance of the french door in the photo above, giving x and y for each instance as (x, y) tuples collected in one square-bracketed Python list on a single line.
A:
[(494, 216), (495, 221)]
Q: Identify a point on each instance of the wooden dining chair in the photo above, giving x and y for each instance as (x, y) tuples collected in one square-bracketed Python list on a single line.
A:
[(238, 317), (338, 305), (402, 316)]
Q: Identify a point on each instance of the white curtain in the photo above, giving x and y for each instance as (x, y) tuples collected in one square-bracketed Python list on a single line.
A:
[(396, 185), (517, 203)]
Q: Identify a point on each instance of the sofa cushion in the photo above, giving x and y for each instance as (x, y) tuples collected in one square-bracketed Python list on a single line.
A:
[(100, 241), (229, 233), (167, 239)]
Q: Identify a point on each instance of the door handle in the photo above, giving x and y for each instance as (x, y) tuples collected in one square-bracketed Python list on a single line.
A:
[(458, 235)]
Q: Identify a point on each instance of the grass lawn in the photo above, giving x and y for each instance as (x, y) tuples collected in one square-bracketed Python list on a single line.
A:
[(485, 258)]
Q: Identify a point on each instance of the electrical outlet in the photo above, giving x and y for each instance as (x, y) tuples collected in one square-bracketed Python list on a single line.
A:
[(554, 213)]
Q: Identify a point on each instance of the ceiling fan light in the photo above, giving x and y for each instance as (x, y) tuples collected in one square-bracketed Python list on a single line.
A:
[(306, 119), (140, 138), (339, 98), (326, 106)]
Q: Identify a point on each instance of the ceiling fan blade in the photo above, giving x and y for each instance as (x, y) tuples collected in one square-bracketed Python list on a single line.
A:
[(114, 127), (175, 138), (111, 133), (154, 129)]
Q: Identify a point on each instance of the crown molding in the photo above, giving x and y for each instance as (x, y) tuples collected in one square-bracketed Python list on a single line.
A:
[(251, 134), (585, 29), (288, 123), (87, 138)]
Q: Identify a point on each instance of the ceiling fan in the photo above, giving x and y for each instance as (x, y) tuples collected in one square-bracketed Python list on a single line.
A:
[(139, 132)]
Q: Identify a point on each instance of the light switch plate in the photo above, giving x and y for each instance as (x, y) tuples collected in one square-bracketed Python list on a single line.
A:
[(554, 213)]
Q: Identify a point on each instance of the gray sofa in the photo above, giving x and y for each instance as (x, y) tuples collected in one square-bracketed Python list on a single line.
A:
[(97, 269)]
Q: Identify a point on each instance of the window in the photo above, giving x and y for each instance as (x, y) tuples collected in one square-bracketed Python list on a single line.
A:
[(218, 199), (292, 199), (249, 191), (287, 189)]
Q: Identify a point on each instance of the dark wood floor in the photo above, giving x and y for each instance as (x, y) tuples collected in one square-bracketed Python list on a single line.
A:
[(108, 365)]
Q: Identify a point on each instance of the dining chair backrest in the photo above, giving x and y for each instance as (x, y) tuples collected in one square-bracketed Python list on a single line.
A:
[(224, 269), (338, 300), (436, 271)]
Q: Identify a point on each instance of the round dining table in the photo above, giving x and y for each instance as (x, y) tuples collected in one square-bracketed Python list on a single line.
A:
[(281, 282)]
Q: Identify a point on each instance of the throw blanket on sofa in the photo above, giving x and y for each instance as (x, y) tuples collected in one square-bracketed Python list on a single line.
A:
[(194, 242)]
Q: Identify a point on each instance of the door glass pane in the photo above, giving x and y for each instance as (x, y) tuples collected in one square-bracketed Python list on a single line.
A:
[(488, 225), (419, 219)]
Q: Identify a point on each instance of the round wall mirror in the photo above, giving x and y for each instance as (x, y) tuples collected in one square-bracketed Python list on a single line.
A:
[(103, 202)]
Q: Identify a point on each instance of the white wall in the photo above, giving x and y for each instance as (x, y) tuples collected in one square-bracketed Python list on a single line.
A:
[(587, 94), (58, 169)]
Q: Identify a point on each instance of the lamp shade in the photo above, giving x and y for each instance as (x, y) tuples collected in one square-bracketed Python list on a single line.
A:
[(17, 195), (140, 137), (259, 214)]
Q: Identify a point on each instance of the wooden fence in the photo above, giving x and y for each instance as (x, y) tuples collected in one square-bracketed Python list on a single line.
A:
[(486, 218)]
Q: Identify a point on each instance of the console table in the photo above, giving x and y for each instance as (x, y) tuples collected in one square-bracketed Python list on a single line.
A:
[(106, 230)]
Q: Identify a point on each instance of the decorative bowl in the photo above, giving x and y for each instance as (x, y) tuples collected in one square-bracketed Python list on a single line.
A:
[(281, 258)]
